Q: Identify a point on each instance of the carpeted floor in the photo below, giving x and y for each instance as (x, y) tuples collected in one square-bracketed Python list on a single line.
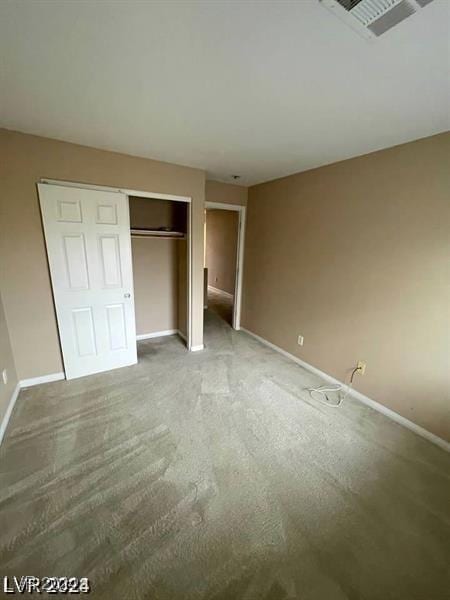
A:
[(213, 475), (221, 305)]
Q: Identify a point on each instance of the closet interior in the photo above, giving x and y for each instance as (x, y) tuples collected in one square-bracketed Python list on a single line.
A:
[(159, 232)]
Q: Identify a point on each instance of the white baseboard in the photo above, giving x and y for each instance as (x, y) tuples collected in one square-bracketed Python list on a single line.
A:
[(219, 291), (25, 383), (7, 415), (197, 348), (358, 396), (155, 334)]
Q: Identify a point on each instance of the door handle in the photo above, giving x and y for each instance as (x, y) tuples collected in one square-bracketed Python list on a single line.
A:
[(127, 295)]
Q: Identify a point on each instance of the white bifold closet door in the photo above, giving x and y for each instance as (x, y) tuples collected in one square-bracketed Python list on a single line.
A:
[(87, 233)]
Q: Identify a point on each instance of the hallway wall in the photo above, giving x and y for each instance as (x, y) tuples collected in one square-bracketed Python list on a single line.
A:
[(221, 248)]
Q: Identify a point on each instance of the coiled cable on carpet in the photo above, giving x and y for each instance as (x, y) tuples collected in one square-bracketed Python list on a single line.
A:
[(320, 393)]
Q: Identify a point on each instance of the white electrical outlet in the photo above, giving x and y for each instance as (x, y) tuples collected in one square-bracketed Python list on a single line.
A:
[(361, 366), (300, 340), (5, 376)]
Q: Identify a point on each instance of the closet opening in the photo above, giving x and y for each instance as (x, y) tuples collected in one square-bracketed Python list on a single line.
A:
[(94, 235), (160, 254)]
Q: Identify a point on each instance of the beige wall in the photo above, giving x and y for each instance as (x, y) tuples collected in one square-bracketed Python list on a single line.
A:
[(24, 274), (6, 362), (155, 275), (227, 193), (221, 248), (354, 256)]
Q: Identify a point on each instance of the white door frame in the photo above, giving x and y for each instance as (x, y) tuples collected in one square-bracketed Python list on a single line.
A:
[(239, 256), (154, 195)]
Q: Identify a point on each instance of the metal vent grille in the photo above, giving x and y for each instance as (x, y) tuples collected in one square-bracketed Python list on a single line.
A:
[(371, 18), (391, 18), (368, 11), (349, 4)]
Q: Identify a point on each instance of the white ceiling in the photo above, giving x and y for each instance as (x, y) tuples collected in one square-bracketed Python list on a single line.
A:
[(257, 88)]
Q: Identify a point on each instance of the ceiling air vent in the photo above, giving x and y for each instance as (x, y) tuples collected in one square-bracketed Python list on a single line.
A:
[(372, 18)]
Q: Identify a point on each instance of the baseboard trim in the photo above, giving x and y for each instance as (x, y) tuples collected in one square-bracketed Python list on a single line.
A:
[(8, 413), (219, 291), (25, 383), (155, 334), (197, 348), (394, 416)]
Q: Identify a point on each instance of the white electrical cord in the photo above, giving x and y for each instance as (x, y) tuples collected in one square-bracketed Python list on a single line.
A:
[(319, 393)]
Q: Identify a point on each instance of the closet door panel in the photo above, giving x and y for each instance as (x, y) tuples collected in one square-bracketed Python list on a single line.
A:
[(87, 235)]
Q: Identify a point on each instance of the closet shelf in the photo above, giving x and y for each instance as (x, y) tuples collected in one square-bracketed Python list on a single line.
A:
[(158, 233)]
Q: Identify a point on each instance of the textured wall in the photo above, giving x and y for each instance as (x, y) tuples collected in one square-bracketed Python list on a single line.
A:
[(354, 256), (25, 279)]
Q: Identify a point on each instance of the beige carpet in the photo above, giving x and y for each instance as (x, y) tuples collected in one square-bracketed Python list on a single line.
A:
[(221, 304), (213, 475)]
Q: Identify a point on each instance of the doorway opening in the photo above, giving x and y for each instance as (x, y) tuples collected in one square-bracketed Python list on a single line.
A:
[(223, 260)]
